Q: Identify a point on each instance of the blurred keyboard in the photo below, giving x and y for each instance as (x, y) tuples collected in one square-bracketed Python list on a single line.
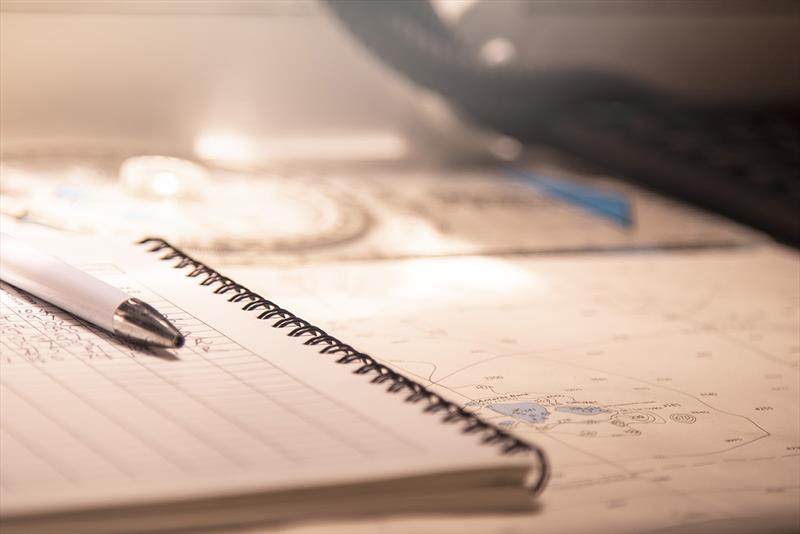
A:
[(741, 163)]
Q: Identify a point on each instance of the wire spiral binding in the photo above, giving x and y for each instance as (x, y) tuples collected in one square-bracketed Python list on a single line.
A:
[(328, 344)]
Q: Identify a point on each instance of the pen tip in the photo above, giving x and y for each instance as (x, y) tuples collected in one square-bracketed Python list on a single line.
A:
[(139, 322)]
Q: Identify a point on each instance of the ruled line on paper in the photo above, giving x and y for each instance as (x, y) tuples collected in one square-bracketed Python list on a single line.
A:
[(211, 404)]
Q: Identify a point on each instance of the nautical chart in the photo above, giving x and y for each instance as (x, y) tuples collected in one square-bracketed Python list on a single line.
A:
[(290, 216), (664, 387)]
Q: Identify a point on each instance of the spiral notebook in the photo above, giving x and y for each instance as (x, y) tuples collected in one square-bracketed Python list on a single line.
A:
[(261, 416)]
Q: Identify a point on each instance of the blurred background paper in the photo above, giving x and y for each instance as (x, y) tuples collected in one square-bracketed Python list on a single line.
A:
[(310, 144), (303, 214)]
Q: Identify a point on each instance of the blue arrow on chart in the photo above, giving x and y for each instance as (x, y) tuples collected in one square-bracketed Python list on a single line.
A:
[(609, 205)]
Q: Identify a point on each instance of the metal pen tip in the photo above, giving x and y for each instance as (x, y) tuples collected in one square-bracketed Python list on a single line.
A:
[(139, 322)]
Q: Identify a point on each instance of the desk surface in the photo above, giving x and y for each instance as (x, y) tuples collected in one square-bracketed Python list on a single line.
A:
[(660, 376)]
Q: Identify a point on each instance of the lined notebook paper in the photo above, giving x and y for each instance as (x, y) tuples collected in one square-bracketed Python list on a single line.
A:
[(90, 422)]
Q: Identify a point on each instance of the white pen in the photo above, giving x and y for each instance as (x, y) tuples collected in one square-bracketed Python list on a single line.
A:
[(81, 294)]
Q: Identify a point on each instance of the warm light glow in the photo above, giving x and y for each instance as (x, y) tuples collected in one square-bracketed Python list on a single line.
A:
[(423, 284), (446, 280), (497, 51), (452, 10), (225, 147), (231, 148), (162, 176), (165, 183)]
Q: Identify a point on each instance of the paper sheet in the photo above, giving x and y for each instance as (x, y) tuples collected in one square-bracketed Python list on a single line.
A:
[(89, 421), (665, 386), (306, 215)]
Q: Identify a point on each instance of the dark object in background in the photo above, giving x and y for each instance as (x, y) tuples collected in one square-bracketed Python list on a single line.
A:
[(742, 162)]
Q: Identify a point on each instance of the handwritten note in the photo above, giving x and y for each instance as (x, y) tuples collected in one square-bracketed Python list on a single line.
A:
[(73, 393)]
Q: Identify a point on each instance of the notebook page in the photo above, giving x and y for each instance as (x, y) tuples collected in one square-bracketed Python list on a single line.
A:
[(88, 420)]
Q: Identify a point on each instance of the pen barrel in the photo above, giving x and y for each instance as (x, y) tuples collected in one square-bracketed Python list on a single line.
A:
[(58, 283)]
